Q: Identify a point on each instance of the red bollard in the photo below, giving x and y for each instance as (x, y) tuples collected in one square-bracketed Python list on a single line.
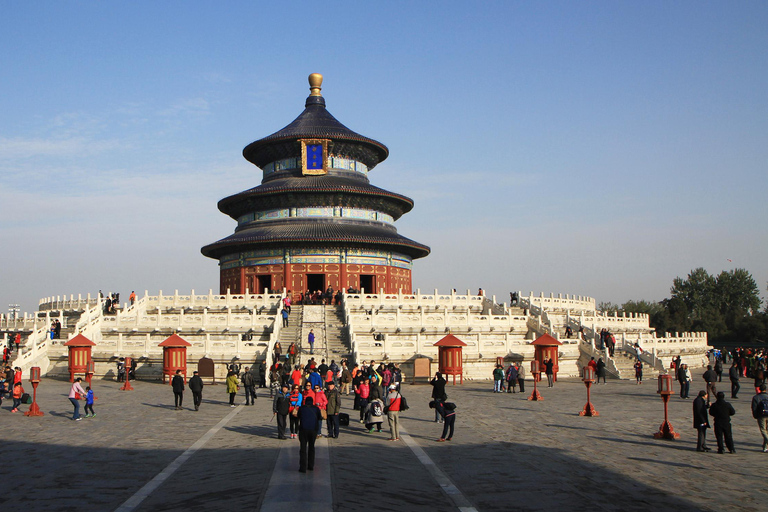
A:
[(589, 379), (665, 390), (127, 386), (34, 378)]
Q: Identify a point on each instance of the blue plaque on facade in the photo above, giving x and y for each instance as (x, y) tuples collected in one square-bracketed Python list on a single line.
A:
[(314, 156)]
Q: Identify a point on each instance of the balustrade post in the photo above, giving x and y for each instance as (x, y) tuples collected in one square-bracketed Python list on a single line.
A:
[(119, 348)]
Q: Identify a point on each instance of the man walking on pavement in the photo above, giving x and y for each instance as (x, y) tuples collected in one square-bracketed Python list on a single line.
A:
[(250, 387), (196, 387), (177, 383), (760, 413), (733, 374)]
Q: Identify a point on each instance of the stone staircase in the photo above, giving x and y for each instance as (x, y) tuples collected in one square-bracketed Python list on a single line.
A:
[(625, 363), (292, 333), (336, 336)]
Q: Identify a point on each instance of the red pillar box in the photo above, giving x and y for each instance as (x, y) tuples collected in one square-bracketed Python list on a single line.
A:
[(665, 390), (536, 372), (127, 385), (174, 356), (547, 347), (34, 378), (450, 358), (79, 355), (589, 379)]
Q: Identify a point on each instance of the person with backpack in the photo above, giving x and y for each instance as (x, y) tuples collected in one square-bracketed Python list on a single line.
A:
[(281, 407), (760, 413), (332, 409), (448, 411), (374, 415), (394, 406), (250, 387)]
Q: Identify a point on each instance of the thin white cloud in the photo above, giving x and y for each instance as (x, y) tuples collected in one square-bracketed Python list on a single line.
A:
[(30, 147)]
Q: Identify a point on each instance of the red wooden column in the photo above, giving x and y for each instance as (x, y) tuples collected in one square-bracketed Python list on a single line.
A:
[(79, 355)]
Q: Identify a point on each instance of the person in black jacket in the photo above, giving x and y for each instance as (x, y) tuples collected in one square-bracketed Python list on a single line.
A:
[(722, 412), (733, 374), (701, 420), (196, 387), (281, 406), (438, 392), (310, 420), (177, 383), (710, 377)]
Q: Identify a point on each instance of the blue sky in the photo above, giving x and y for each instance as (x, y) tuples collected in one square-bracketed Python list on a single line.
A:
[(594, 148)]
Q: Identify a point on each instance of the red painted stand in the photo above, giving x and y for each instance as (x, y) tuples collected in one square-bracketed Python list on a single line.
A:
[(665, 390), (589, 379), (127, 386), (665, 430), (34, 378)]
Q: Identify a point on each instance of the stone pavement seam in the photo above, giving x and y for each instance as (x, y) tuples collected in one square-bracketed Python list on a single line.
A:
[(441, 478), (290, 490), (134, 501)]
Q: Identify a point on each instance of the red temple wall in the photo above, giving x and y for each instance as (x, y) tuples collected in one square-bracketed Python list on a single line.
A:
[(294, 277)]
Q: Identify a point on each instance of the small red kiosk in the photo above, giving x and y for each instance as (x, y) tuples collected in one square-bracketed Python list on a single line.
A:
[(547, 347), (449, 357), (79, 355), (174, 356)]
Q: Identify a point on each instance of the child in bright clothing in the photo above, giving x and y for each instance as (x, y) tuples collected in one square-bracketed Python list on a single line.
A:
[(89, 403)]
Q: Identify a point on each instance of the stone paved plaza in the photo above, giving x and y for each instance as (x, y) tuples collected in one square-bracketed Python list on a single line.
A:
[(507, 454)]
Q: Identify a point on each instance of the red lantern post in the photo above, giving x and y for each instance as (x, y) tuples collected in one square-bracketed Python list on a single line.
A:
[(89, 371), (34, 378), (665, 390), (127, 386), (536, 372), (589, 379)]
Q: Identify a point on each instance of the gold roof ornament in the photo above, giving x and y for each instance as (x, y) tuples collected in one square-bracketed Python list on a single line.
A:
[(315, 84)]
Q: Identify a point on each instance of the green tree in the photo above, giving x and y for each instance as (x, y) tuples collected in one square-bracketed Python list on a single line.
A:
[(697, 292)]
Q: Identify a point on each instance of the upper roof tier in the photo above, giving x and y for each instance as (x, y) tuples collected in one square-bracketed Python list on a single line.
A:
[(315, 123)]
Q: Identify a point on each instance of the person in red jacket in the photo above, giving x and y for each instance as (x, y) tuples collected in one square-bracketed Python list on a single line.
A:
[(296, 376), (17, 392), (363, 392)]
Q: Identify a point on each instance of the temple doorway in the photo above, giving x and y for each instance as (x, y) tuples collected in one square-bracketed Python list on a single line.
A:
[(368, 283), (264, 282), (315, 282)]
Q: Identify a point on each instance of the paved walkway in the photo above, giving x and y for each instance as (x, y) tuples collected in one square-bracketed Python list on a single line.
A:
[(507, 453)]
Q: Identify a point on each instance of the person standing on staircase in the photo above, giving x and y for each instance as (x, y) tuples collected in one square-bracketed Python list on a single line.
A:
[(311, 341), (292, 353), (285, 317), (132, 297)]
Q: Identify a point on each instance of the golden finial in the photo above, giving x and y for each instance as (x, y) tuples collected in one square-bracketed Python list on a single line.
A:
[(315, 83)]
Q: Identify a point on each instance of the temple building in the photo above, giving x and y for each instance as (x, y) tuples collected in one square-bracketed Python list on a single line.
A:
[(315, 221)]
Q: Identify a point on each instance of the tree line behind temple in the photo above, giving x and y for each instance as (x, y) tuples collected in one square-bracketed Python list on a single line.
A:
[(726, 307)]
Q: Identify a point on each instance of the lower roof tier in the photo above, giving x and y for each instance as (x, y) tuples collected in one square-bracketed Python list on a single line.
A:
[(315, 191), (290, 233)]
